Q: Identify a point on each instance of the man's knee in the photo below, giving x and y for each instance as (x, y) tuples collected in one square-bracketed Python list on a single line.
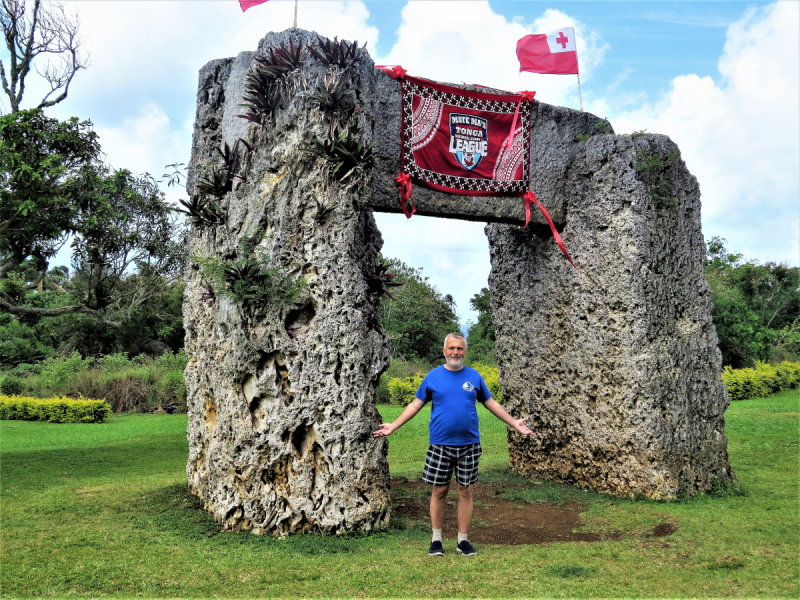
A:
[(464, 491), (440, 491)]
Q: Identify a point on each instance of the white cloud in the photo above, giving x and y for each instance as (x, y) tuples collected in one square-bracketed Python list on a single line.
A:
[(468, 42), (145, 143), (740, 136)]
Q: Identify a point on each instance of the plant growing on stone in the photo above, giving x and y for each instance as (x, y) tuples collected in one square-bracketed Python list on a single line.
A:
[(249, 282), (219, 179), (269, 83), (653, 170), (603, 127), (380, 282), (322, 210), (202, 212), (335, 101), (337, 53), (344, 156), (248, 279)]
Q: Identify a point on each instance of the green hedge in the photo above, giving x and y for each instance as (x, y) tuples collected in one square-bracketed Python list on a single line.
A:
[(761, 381), (53, 410), (402, 389)]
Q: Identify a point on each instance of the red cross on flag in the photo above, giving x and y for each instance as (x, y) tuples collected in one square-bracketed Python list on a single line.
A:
[(553, 53)]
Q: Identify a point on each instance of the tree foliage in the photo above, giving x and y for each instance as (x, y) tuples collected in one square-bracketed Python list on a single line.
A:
[(756, 307), (417, 317), (126, 241), (481, 338)]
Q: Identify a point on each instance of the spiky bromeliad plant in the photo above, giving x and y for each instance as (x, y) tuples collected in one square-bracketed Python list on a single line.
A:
[(337, 53), (344, 155), (323, 210), (247, 279), (203, 209), (268, 84), (380, 282), (219, 180), (335, 101)]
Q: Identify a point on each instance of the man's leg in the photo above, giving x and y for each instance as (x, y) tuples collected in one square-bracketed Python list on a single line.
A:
[(438, 501), (464, 508)]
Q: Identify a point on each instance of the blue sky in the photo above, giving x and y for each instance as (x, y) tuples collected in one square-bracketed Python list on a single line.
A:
[(720, 78)]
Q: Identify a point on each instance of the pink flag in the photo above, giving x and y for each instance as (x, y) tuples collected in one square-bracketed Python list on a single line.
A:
[(554, 52), (245, 4)]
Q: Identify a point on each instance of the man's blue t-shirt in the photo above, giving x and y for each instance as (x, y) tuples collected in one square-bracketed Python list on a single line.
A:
[(454, 416)]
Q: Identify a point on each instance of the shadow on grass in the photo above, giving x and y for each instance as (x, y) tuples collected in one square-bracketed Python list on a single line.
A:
[(177, 512)]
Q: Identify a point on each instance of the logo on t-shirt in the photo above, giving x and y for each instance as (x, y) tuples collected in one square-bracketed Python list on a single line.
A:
[(468, 387)]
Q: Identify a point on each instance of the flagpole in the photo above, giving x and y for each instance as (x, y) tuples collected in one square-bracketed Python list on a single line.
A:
[(580, 93), (295, 14)]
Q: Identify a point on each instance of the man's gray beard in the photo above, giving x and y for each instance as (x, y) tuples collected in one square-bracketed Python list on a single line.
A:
[(456, 364)]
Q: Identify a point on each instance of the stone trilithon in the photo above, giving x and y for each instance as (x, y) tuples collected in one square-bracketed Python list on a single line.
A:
[(616, 363)]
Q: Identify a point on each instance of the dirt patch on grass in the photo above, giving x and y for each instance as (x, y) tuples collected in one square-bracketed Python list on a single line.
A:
[(496, 520)]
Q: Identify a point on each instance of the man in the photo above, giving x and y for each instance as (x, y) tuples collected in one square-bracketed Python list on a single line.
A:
[(453, 390)]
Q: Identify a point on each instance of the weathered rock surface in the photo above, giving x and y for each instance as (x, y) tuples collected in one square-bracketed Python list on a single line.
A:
[(281, 400), (617, 365)]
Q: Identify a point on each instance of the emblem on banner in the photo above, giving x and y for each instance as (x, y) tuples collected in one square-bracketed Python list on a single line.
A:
[(469, 139)]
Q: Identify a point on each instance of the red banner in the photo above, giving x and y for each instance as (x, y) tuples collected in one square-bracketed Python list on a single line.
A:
[(465, 142), (473, 143)]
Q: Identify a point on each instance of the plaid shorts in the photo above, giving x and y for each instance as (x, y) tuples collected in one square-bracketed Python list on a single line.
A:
[(442, 460)]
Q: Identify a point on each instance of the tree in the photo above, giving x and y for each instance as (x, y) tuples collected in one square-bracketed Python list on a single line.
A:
[(31, 31), (418, 317), (482, 340), (44, 168), (756, 306), (126, 240)]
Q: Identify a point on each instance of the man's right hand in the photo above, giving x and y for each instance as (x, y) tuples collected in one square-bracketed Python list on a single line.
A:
[(385, 430), (408, 412)]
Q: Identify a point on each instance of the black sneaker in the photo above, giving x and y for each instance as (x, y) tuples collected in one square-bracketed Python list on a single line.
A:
[(436, 549), (466, 548)]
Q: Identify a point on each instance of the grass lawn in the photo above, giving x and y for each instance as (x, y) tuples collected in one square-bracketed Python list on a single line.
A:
[(102, 509)]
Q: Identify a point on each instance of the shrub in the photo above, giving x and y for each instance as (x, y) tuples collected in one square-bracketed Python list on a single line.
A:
[(172, 390), (399, 368), (402, 390), (134, 384), (491, 375), (172, 362), (53, 410), (131, 391), (11, 386), (761, 381)]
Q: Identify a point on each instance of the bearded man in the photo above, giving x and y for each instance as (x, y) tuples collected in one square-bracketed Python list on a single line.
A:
[(454, 445)]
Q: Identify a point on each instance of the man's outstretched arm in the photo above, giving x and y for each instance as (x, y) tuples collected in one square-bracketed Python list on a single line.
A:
[(498, 411), (405, 416)]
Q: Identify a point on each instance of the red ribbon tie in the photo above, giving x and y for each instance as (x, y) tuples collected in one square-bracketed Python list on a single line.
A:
[(395, 71), (404, 183), (523, 96), (531, 197)]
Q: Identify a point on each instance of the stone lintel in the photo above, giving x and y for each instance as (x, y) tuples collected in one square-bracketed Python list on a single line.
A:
[(554, 144)]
